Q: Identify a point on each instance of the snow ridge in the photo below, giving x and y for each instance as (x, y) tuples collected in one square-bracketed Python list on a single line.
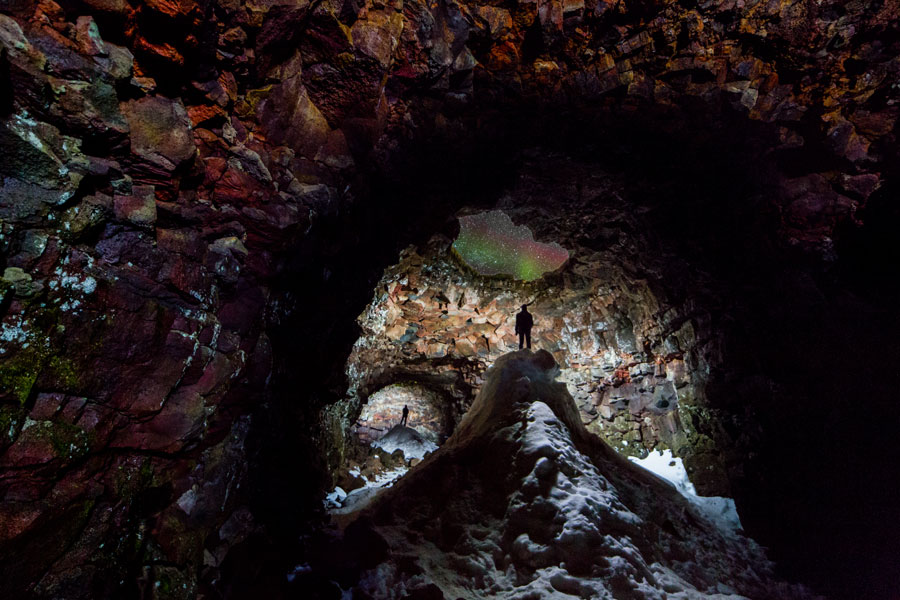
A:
[(721, 511)]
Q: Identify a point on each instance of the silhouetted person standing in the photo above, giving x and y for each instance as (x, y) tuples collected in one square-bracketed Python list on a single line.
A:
[(524, 323), (405, 416)]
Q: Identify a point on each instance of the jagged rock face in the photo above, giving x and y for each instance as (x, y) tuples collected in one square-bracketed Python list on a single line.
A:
[(523, 502), (633, 364), (163, 162)]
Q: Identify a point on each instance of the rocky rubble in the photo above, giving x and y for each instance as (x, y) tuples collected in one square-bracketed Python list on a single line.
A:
[(393, 453)]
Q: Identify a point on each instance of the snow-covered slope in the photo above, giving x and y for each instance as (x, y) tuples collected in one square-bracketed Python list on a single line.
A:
[(407, 439), (522, 503), (721, 511)]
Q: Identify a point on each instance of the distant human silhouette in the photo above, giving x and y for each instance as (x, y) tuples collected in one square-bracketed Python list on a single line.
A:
[(524, 322), (405, 416)]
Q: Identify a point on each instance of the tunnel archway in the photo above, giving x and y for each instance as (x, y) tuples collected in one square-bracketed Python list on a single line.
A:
[(713, 223)]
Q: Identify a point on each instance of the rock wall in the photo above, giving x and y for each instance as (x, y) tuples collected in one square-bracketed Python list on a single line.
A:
[(166, 164)]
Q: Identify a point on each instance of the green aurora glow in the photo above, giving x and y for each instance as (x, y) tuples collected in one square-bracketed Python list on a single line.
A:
[(492, 244)]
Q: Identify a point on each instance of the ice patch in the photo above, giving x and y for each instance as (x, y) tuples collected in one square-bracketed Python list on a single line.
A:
[(89, 285), (721, 511), (73, 282), (336, 498), (299, 569), (339, 502), (13, 332), (406, 439)]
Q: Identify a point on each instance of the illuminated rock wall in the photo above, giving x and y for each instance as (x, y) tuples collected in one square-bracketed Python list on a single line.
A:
[(631, 366)]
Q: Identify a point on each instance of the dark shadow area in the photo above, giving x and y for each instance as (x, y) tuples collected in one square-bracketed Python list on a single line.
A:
[(6, 96), (327, 282), (807, 344)]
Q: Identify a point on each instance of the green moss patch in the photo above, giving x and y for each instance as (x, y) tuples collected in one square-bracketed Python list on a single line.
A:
[(18, 374)]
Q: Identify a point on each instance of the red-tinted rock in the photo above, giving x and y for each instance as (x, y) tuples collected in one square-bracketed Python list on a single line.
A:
[(138, 208), (290, 118), (160, 133), (174, 328)]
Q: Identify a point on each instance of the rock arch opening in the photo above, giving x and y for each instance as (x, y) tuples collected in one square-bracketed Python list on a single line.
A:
[(681, 245), (428, 413)]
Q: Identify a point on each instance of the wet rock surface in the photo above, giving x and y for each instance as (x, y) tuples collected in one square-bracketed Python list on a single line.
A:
[(186, 186)]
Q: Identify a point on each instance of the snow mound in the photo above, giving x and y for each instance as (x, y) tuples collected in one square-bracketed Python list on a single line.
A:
[(523, 503), (407, 439)]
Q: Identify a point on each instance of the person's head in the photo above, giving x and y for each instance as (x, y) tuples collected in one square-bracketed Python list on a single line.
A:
[(524, 308)]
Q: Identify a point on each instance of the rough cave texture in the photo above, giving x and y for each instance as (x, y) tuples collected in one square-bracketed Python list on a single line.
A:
[(197, 199)]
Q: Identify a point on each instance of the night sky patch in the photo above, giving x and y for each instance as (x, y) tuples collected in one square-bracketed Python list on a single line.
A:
[(492, 244)]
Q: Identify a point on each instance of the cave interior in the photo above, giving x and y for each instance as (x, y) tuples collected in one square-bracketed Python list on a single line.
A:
[(238, 237)]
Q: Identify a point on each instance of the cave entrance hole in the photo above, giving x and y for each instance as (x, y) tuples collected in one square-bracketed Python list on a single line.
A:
[(428, 414), (382, 448)]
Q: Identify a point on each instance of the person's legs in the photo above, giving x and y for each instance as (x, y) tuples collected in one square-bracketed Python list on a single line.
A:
[(528, 340), (521, 340)]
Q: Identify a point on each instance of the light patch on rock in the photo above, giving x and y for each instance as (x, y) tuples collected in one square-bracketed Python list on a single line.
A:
[(722, 511), (187, 501), (14, 330)]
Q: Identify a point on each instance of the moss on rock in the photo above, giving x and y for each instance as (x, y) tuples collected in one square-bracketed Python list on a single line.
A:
[(18, 373)]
